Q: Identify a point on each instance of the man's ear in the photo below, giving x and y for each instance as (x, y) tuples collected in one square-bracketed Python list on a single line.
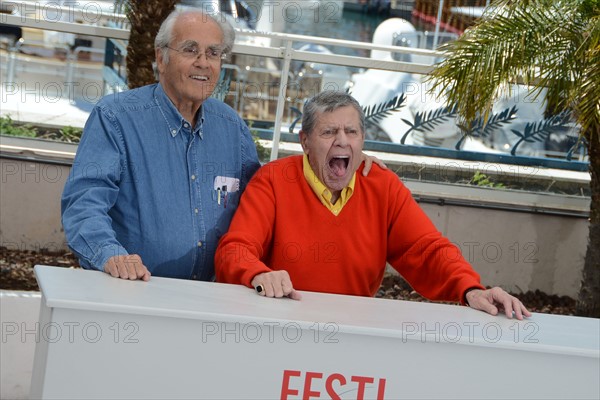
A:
[(158, 54), (303, 139)]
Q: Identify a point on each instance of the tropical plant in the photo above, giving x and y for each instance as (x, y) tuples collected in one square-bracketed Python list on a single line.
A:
[(481, 179), (145, 17), (554, 47)]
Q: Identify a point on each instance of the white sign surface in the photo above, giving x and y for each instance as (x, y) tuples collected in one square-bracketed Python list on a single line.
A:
[(101, 337)]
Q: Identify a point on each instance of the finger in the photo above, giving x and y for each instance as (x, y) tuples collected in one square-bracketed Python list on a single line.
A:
[(517, 306), (507, 304), (489, 308), (368, 165), (269, 291), (484, 304), (287, 286), (111, 269), (282, 283), (278, 288), (135, 268), (131, 266), (141, 272), (122, 269), (520, 310), (295, 295), (504, 299)]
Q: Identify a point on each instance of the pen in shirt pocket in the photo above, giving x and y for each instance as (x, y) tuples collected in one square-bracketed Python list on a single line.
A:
[(222, 186)]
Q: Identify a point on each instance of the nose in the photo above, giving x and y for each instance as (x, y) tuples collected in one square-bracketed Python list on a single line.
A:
[(341, 138), (201, 56)]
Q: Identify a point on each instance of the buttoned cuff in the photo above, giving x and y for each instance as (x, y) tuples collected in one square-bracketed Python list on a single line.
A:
[(105, 253)]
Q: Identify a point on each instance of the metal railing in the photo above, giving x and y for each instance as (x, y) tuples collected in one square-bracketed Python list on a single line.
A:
[(285, 54)]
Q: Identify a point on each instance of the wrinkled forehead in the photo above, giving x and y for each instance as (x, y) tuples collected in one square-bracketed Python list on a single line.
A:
[(345, 117), (197, 27)]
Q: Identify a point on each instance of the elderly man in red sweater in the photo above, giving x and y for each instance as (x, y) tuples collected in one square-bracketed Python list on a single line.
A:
[(313, 223)]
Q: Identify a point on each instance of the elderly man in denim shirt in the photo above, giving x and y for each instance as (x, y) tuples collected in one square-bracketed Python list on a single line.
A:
[(160, 169)]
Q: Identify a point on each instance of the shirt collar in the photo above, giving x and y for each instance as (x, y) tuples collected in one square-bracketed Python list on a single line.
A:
[(173, 117), (321, 190)]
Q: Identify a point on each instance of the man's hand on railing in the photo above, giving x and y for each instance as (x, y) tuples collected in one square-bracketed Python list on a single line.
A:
[(275, 284), (491, 300), (127, 267)]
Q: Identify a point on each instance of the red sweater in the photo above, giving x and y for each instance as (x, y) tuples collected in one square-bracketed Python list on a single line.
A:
[(281, 224)]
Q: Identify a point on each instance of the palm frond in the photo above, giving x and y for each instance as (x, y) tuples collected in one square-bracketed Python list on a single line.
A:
[(539, 131), (427, 121), (378, 112), (481, 128), (586, 100), (510, 45)]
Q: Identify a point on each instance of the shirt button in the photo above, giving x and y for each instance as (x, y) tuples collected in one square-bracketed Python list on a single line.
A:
[(193, 177), (173, 131), (196, 210), (186, 125), (194, 277), (199, 244)]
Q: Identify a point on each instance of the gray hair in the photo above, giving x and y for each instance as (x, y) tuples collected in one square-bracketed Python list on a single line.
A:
[(165, 32), (328, 101)]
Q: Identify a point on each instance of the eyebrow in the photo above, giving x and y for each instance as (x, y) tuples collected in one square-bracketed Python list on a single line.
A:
[(336, 127), (190, 42)]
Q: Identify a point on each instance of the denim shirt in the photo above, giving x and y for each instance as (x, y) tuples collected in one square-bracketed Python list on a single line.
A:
[(144, 182)]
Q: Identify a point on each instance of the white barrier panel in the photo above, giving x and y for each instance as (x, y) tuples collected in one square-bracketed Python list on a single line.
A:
[(19, 313), (102, 337)]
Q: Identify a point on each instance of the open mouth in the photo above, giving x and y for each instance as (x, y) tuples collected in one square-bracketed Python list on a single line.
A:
[(202, 78), (339, 165)]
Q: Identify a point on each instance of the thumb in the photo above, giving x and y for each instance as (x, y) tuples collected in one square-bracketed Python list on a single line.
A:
[(146, 276)]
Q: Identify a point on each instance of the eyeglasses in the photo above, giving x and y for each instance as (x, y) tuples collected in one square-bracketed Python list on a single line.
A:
[(212, 53)]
